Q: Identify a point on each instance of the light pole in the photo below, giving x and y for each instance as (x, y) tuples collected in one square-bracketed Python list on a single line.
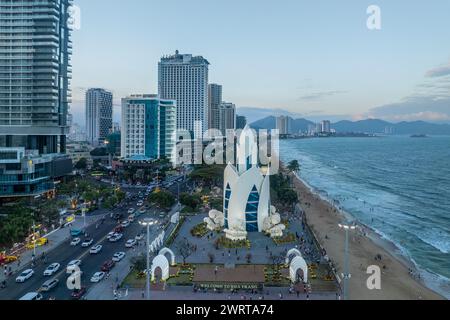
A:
[(148, 222), (346, 275)]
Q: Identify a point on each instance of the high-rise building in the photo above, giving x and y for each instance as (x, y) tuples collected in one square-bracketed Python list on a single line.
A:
[(35, 52), (227, 117), (326, 126), (241, 122), (148, 127), (214, 101), (184, 78), (284, 125), (99, 115)]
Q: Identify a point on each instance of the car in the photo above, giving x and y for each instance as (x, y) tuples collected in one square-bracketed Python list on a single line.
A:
[(73, 266), (110, 235), (51, 269), (87, 243), (131, 211), (116, 237), (131, 217), (77, 294), (119, 229), (108, 265), (32, 296), (140, 203), (25, 275), (142, 210), (125, 223), (139, 237), (118, 256), (130, 243), (97, 277), (49, 285), (75, 232), (75, 242), (96, 249)]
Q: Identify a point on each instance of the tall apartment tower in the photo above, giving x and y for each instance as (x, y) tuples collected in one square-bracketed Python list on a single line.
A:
[(227, 118), (214, 101), (35, 54), (184, 78), (99, 115), (284, 124), (241, 122), (148, 127)]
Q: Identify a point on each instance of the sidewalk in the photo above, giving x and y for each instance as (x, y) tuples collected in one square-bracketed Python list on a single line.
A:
[(55, 238)]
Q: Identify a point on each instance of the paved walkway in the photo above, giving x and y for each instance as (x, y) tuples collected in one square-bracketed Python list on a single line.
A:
[(55, 238)]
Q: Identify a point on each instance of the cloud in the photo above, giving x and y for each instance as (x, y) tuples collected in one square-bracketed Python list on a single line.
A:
[(441, 71), (321, 95)]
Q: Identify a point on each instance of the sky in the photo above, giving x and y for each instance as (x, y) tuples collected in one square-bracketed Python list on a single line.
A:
[(311, 58)]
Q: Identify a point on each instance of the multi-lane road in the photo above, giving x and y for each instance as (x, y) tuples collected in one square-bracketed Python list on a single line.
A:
[(65, 253)]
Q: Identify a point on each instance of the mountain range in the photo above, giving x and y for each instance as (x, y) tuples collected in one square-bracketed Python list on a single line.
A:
[(370, 126)]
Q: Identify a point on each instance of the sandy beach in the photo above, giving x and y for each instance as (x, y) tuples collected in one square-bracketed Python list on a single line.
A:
[(364, 246)]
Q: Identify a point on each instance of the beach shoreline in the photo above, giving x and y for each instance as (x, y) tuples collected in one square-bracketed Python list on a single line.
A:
[(397, 280)]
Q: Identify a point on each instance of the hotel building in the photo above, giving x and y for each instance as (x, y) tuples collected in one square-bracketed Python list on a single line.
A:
[(99, 115)]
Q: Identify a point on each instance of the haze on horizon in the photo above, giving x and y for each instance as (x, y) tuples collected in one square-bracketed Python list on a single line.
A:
[(311, 58)]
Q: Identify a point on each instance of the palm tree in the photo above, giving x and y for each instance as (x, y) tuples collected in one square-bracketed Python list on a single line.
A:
[(294, 166)]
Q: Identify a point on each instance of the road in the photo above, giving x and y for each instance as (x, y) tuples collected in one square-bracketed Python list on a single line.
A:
[(65, 253)]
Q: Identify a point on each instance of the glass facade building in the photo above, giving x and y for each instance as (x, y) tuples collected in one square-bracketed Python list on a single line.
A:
[(35, 71)]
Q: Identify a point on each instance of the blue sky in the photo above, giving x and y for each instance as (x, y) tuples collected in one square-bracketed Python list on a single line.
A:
[(312, 58)]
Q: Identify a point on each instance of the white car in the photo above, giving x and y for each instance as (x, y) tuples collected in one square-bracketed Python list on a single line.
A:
[(140, 203), (116, 237), (97, 277), (49, 285), (73, 265), (139, 237), (130, 243), (110, 235), (131, 211), (52, 269), (75, 242), (25, 275), (87, 243), (118, 256), (96, 249), (125, 223)]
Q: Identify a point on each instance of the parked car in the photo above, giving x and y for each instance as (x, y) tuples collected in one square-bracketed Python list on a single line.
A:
[(96, 249), (49, 285), (77, 294), (75, 242), (25, 275), (108, 265), (87, 243), (130, 243), (51, 269), (97, 277), (118, 256)]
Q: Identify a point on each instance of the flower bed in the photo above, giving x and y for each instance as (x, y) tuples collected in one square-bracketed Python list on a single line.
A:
[(223, 242), (289, 238), (199, 230)]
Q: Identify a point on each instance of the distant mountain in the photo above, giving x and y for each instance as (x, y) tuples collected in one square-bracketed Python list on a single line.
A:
[(254, 114), (372, 126)]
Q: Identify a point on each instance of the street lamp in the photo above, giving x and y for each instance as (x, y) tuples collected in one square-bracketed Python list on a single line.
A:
[(148, 222), (346, 275)]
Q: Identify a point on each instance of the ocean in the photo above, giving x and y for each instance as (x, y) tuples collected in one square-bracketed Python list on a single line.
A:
[(397, 185)]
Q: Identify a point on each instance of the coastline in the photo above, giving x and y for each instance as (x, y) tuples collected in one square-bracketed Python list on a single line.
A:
[(365, 244)]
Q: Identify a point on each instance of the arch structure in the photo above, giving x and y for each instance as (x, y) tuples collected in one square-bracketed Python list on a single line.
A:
[(296, 264), (161, 262), (293, 252), (164, 251)]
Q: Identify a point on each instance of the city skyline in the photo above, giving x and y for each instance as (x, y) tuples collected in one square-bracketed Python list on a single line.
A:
[(305, 78)]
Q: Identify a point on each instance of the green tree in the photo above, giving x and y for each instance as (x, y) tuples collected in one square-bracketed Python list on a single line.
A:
[(294, 166), (163, 199), (81, 164)]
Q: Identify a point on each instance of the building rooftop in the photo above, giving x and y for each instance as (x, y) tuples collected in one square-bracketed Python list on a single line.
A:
[(178, 58)]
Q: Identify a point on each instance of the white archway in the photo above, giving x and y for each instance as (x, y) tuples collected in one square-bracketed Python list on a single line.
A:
[(160, 261), (291, 252), (296, 264), (163, 252)]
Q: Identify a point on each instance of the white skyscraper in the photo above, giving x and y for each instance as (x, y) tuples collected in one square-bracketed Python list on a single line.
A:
[(99, 114), (184, 78), (284, 124)]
